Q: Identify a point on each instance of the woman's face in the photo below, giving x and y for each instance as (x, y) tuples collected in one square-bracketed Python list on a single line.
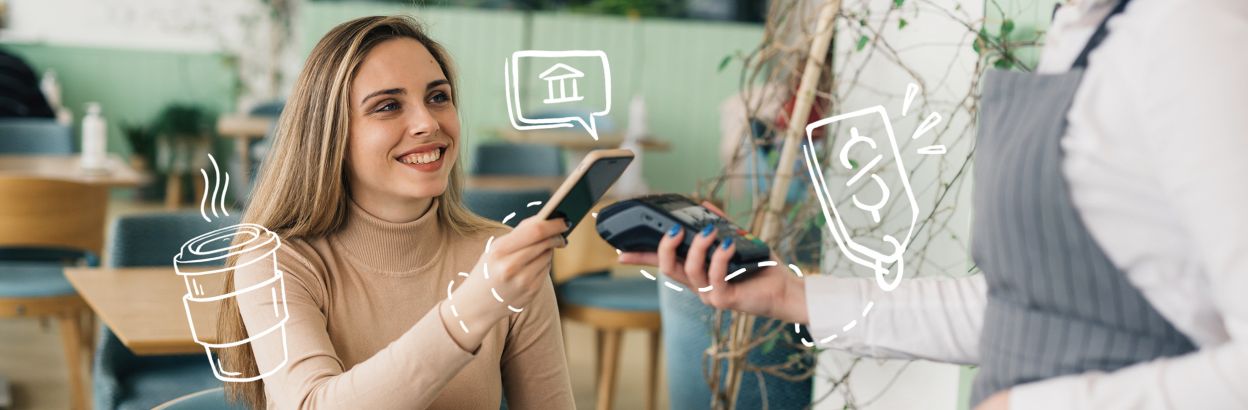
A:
[(404, 133)]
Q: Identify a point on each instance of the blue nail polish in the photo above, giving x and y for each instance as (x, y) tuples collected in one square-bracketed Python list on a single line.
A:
[(707, 230), (675, 230), (726, 243)]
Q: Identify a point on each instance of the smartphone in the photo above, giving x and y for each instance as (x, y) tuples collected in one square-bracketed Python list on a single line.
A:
[(586, 185)]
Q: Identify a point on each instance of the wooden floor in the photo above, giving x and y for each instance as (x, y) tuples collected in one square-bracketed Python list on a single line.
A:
[(30, 357)]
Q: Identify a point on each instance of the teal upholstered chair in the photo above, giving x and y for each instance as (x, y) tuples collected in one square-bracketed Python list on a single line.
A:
[(211, 399), (35, 136), (122, 379), (44, 226), (257, 151), (534, 160), (612, 305), (496, 204)]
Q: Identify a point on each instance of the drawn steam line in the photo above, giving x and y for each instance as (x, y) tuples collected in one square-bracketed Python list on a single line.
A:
[(218, 192)]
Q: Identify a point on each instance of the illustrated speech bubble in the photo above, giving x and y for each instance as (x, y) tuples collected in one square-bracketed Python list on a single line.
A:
[(560, 74)]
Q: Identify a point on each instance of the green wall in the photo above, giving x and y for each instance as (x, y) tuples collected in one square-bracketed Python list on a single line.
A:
[(673, 64), (132, 85)]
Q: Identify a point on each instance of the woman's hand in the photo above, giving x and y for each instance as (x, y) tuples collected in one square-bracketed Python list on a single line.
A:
[(513, 269), (773, 292)]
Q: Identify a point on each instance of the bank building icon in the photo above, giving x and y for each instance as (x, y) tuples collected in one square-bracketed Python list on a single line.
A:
[(561, 74)]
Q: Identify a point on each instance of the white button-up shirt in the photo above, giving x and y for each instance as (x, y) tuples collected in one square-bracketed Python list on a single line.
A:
[(1156, 160)]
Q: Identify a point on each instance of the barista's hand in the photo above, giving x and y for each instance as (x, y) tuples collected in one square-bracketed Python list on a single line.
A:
[(998, 401), (773, 292)]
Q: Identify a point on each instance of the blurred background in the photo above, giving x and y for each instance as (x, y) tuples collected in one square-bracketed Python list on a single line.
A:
[(111, 107)]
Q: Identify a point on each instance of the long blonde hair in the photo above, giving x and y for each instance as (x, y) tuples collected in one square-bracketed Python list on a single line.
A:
[(302, 189)]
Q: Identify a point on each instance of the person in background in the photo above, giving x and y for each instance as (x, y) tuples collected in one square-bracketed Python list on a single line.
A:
[(1110, 223), (363, 185), (19, 90)]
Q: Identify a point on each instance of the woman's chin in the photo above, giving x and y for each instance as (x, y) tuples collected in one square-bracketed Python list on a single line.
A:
[(424, 191)]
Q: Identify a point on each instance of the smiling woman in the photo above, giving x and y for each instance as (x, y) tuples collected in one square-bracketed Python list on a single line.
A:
[(364, 187)]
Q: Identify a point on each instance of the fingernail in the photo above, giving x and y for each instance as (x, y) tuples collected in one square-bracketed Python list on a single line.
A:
[(726, 243), (707, 230), (675, 230)]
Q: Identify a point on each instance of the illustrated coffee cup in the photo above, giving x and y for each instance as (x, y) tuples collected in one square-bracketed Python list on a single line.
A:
[(204, 263)]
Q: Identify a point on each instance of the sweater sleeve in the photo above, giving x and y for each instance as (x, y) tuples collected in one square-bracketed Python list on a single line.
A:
[(534, 369), (408, 373)]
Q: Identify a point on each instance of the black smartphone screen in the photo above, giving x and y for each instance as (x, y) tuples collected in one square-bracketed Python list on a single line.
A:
[(588, 190)]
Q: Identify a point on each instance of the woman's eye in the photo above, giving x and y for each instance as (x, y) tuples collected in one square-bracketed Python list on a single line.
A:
[(439, 98), (390, 106)]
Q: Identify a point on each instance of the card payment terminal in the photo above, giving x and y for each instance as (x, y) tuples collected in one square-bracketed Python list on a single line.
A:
[(637, 225)]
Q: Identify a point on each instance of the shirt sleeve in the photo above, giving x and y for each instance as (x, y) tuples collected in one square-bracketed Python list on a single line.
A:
[(534, 368), (1192, 100), (927, 318), (409, 373)]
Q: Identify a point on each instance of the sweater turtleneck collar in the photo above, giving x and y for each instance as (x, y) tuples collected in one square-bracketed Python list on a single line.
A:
[(393, 248)]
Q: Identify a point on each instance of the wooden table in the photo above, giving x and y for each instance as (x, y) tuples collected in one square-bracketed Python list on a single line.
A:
[(143, 306), (577, 139), (116, 173), (243, 129)]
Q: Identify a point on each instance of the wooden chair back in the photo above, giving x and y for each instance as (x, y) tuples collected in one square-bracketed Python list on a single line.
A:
[(48, 213)]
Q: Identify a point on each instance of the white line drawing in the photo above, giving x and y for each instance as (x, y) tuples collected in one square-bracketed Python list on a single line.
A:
[(450, 297), (202, 256), (880, 261), (734, 274), (485, 271), (206, 255), (556, 73), (912, 90), (797, 327), (218, 188), (561, 72)]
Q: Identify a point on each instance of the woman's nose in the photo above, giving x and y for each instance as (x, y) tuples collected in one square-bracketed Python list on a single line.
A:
[(422, 123)]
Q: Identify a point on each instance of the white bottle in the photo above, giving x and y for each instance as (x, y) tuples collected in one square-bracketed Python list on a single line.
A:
[(632, 182), (94, 138)]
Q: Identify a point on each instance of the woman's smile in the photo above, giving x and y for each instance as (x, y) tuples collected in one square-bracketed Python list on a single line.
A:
[(423, 158)]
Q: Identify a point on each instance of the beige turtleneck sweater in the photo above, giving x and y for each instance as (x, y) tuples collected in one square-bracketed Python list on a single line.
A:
[(364, 330)]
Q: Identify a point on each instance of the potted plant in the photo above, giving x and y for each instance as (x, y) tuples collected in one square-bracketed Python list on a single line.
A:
[(142, 155), (183, 135)]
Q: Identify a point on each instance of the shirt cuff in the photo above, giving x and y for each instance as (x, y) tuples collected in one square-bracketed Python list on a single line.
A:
[(835, 307), (436, 328)]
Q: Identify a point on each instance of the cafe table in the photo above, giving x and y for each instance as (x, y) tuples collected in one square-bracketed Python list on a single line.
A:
[(115, 173), (577, 139), (143, 307)]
